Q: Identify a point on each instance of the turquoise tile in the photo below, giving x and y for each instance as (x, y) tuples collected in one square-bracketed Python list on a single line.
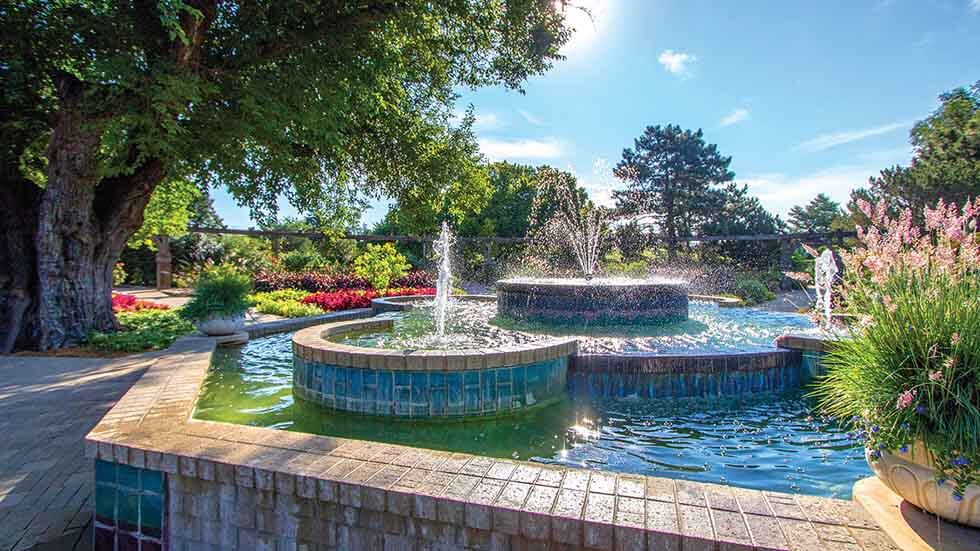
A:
[(105, 504), (151, 515), (105, 472), (152, 481), (128, 511), (128, 477)]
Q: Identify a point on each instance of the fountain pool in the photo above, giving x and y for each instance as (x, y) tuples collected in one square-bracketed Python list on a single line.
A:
[(769, 441)]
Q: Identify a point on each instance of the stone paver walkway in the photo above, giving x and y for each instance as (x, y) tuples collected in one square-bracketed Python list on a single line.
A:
[(47, 406)]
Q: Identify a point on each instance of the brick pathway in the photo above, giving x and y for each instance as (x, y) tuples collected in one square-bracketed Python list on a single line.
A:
[(47, 405)]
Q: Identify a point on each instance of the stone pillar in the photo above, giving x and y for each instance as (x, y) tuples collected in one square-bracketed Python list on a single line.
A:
[(164, 262)]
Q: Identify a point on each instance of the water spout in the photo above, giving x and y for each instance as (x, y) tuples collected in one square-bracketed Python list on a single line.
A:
[(824, 271), (443, 248)]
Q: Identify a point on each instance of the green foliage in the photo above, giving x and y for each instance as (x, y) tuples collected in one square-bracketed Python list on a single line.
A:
[(930, 325), (821, 215), (220, 291), (285, 303), (142, 330), (945, 163), (752, 291), (168, 212), (732, 211), (379, 264), (614, 263), (670, 174), (118, 274), (274, 98), (303, 261)]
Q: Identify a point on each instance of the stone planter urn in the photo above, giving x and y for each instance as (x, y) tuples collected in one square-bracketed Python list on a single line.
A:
[(215, 326), (912, 476)]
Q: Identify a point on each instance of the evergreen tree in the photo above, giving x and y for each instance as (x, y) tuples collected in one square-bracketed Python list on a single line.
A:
[(670, 174), (820, 215)]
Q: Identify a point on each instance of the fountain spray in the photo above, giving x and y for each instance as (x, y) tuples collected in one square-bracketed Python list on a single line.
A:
[(443, 248)]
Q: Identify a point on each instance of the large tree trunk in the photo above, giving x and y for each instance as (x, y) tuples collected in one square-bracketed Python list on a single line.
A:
[(18, 276), (61, 287)]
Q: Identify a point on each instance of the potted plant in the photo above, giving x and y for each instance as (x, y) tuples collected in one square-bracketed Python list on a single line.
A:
[(219, 302), (908, 374)]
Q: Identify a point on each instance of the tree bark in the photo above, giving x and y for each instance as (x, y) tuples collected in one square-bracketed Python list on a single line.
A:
[(58, 280), (18, 277)]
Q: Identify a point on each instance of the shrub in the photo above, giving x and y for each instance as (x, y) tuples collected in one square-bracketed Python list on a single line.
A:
[(752, 291), (415, 278), (909, 371), (380, 264), (140, 330), (303, 261), (128, 303), (286, 303), (118, 274), (220, 291)]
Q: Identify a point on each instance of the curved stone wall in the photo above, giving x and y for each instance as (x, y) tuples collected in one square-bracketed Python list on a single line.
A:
[(425, 383), (679, 376), (604, 303)]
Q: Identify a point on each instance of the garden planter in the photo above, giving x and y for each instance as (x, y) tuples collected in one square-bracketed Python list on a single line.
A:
[(912, 476), (222, 325)]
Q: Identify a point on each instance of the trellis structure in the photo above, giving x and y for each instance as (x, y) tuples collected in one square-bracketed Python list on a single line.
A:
[(787, 243)]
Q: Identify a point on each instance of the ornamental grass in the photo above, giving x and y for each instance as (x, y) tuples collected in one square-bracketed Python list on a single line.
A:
[(910, 368)]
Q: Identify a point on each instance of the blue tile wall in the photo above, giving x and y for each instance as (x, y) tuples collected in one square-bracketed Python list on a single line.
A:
[(667, 377), (130, 508), (483, 392)]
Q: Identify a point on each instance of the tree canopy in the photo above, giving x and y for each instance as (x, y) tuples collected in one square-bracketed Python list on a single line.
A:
[(822, 214), (670, 174), (945, 163), (315, 101)]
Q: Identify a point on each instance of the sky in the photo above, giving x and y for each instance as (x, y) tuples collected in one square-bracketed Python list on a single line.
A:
[(806, 97)]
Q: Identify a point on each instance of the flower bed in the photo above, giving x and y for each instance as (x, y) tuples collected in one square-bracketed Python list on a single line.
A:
[(345, 300), (128, 303)]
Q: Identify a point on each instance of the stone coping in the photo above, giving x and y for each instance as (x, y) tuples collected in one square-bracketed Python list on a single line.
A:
[(804, 343), (403, 303), (312, 344), (652, 362), (151, 427)]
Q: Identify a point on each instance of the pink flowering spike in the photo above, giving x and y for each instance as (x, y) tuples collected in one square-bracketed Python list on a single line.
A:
[(935, 375), (905, 399)]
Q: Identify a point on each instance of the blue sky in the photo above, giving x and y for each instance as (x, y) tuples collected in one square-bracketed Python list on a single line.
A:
[(806, 97)]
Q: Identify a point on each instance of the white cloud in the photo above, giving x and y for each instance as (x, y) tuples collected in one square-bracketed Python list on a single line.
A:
[(498, 150), (827, 141), (676, 62), (735, 116), (600, 184), (975, 6), (530, 117), (481, 121), (779, 192)]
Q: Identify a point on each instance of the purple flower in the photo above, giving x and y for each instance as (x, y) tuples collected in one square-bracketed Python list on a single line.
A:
[(875, 429), (941, 481), (904, 448), (960, 461), (876, 454), (920, 409), (957, 497)]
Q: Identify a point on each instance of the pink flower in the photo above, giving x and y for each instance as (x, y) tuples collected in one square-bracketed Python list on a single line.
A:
[(905, 399), (936, 375), (955, 339), (889, 304), (950, 362)]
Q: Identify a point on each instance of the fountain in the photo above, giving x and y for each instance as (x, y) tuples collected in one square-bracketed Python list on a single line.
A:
[(584, 300), (824, 271), (444, 282)]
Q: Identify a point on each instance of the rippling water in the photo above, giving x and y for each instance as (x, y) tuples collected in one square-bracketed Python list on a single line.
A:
[(474, 324), (772, 442)]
